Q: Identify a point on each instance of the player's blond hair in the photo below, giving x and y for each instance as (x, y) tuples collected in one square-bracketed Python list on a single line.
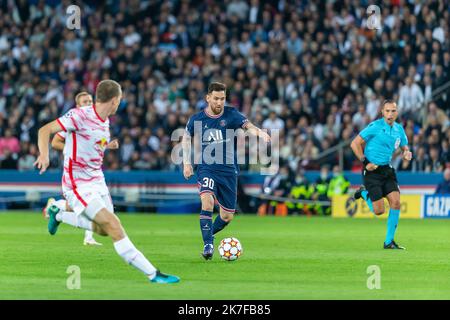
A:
[(79, 96)]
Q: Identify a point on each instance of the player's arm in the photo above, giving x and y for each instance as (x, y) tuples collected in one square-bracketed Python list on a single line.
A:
[(186, 143), (357, 146), (113, 145), (407, 154), (44, 134), (254, 130), (58, 142)]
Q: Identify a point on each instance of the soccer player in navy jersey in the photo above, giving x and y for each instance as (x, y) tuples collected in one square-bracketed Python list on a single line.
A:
[(218, 171)]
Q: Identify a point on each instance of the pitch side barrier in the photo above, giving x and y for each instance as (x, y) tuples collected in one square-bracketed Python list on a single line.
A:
[(164, 191)]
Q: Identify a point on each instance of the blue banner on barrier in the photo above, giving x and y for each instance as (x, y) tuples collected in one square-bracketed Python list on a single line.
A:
[(436, 206)]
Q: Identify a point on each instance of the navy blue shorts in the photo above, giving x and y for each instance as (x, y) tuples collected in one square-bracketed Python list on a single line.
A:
[(222, 185)]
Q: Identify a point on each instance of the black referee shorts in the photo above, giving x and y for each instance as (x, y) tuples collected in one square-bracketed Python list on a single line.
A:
[(380, 182)]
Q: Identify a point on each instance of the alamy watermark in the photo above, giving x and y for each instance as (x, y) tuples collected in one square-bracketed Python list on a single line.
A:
[(374, 279), (74, 280), (374, 19), (210, 146), (73, 21)]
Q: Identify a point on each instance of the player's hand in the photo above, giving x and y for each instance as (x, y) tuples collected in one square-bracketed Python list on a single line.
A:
[(188, 171), (407, 155), (42, 163), (113, 145), (265, 136), (371, 166)]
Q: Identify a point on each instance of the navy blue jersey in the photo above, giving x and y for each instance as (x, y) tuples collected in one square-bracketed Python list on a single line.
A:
[(218, 138)]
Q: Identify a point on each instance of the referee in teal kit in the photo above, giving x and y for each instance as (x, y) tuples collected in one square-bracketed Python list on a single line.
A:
[(374, 147)]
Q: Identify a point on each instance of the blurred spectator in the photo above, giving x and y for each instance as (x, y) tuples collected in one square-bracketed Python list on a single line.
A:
[(321, 191), (338, 184), (444, 186), (277, 185), (126, 149), (273, 122), (27, 158), (405, 165), (301, 189), (8, 160), (445, 152), (410, 100), (434, 163), (435, 115), (8, 144), (359, 118), (419, 160), (238, 8), (314, 63)]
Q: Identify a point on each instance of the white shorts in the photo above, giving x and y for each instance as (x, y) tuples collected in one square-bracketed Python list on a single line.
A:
[(89, 201)]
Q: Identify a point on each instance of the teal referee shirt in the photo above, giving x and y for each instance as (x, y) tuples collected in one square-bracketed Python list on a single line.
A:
[(382, 140)]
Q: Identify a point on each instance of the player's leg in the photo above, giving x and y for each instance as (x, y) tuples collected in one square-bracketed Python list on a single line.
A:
[(394, 216), (392, 192), (74, 220), (60, 204), (374, 199), (226, 197), (222, 220), (372, 191), (111, 225), (77, 220), (378, 206), (89, 235), (89, 239), (69, 212), (206, 227), (207, 189), (67, 217)]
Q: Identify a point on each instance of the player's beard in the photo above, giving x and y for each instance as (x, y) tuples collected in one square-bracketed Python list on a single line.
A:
[(217, 109)]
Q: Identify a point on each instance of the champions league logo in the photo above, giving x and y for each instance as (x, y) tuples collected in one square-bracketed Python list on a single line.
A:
[(397, 143)]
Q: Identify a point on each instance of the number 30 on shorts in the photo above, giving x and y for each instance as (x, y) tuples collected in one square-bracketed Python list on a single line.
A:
[(208, 183)]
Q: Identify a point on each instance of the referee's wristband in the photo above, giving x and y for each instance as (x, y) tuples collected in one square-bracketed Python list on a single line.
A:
[(365, 162)]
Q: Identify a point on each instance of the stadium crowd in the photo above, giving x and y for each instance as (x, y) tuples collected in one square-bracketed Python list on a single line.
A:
[(312, 69)]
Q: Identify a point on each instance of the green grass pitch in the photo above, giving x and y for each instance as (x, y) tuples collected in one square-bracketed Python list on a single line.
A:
[(283, 258)]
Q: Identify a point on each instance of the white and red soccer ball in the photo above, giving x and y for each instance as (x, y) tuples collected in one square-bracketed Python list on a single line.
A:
[(230, 249)]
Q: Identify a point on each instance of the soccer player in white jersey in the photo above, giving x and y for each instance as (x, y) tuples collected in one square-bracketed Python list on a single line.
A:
[(83, 181), (81, 99)]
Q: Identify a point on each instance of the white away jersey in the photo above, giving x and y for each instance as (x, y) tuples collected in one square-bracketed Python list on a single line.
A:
[(87, 136)]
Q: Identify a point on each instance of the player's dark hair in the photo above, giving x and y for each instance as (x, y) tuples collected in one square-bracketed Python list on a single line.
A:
[(388, 101), (216, 86), (106, 90)]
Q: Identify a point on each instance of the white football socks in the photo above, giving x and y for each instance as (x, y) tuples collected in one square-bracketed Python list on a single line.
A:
[(73, 219), (133, 256), (61, 204), (88, 235)]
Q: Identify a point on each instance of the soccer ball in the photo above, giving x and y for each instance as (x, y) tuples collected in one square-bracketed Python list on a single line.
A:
[(230, 249)]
